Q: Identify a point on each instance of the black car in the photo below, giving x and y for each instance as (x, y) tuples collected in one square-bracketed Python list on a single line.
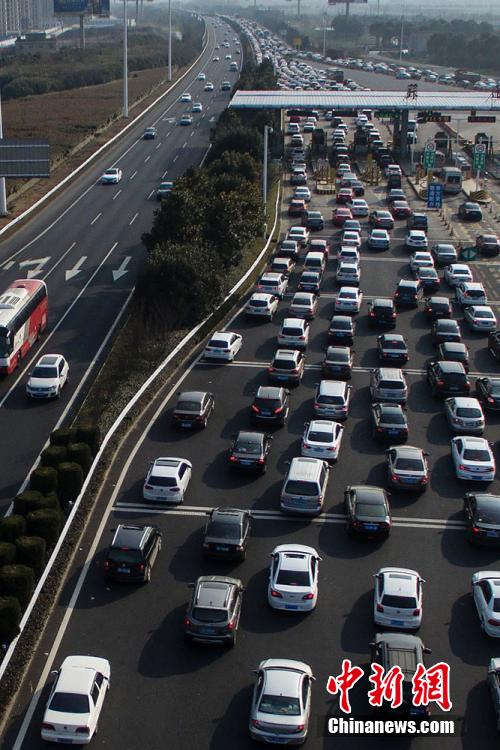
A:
[(310, 281), (488, 245), (429, 279), (454, 351), (314, 220), (494, 344), (132, 553), (389, 423), (249, 451), (381, 219), (444, 254), (395, 194), (271, 405), (447, 379), (193, 409), (405, 652), (407, 293), (482, 515), (446, 330), (470, 211), (418, 221), (213, 614), (357, 188), (226, 534), (341, 330), (488, 392), (367, 511), (392, 347), (437, 307), (337, 363), (382, 313)]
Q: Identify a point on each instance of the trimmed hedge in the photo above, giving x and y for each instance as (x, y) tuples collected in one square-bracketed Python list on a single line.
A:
[(89, 433), (43, 479), (10, 617), (80, 453), (27, 501), (18, 581), (70, 476), (46, 523), (63, 436), (12, 527), (7, 553), (54, 455), (51, 500), (32, 551)]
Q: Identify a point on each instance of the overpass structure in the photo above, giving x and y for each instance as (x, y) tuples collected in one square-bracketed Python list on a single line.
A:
[(396, 104)]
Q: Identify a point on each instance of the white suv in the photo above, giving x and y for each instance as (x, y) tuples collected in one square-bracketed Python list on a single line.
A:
[(49, 376)]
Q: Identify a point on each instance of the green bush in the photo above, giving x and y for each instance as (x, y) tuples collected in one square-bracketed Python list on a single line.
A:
[(10, 617), (27, 501), (54, 455), (80, 453), (89, 433), (63, 436), (43, 479), (51, 500), (18, 581), (70, 481), (11, 527), (7, 553), (46, 523), (32, 551)]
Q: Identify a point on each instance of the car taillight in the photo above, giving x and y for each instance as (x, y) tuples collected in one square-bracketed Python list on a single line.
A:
[(106, 565), (48, 727), (148, 487), (302, 338), (187, 622), (475, 530), (372, 314), (491, 400), (261, 461), (255, 409), (82, 730), (307, 597), (493, 622), (462, 467), (423, 480), (299, 727), (255, 723), (440, 382), (380, 608), (233, 459), (380, 429), (295, 370), (230, 626), (393, 314), (278, 410), (276, 594), (141, 567), (199, 418), (174, 489), (270, 369), (397, 294), (416, 612), (394, 478)]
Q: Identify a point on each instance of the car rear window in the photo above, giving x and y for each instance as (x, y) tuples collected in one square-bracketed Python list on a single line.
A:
[(219, 343), (281, 705), (209, 615), (488, 514), (299, 487), (258, 303), (341, 325), (317, 436), (323, 399), (71, 703), (391, 385), (284, 364), (293, 578), (157, 481), (291, 331), (367, 509), (400, 602), (409, 464), (394, 344), (393, 418), (470, 412), (476, 454), (267, 403), (188, 406), (132, 556), (223, 530)]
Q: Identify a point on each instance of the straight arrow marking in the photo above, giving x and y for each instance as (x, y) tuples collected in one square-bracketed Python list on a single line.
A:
[(76, 268), (38, 263), (121, 271)]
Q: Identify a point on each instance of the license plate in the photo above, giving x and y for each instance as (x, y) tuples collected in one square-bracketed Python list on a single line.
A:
[(397, 623), (207, 631), (453, 388), (278, 740), (221, 548), (266, 413), (123, 570), (371, 526), (334, 367), (281, 377), (392, 432), (245, 463), (492, 534), (291, 606), (410, 479), (62, 741), (186, 424)]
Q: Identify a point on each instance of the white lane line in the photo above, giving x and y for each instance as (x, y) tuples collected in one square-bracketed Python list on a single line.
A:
[(167, 134), (149, 196), (147, 159), (158, 146), (165, 173), (175, 158), (117, 194), (184, 144), (8, 266), (96, 218), (59, 261), (133, 175), (57, 326), (133, 219), (192, 133)]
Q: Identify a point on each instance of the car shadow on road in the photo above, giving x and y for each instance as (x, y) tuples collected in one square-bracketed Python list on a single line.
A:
[(444, 481), (357, 628), (262, 618), (437, 431), (460, 552), (464, 632), (479, 726), (231, 729), (334, 541)]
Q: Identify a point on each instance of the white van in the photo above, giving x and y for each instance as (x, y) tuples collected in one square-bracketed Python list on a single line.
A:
[(451, 178), (304, 488)]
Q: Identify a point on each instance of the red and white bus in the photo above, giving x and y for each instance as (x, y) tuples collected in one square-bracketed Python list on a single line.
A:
[(23, 317)]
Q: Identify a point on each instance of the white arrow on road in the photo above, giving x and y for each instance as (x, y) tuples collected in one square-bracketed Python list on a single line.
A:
[(212, 119), (76, 268), (38, 263), (122, 270)]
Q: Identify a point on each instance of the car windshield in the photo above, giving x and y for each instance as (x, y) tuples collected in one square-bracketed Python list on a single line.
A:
[(488, 512), (299, 487), (44, 372), (131, 556), (476, 454), (281, 705), (367, 509), (293, 578), (409, 464), (203, 614), (472, 412), (70, 703), (223, 530)]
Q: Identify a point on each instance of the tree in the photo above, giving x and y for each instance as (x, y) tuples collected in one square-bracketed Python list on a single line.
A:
[(243, 139), (233, 168), (234, 221)]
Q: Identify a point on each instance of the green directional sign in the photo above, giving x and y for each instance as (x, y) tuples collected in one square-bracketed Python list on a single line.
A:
[(468, 253), (429, 159)]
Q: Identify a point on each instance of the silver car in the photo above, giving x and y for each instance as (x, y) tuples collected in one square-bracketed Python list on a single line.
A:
[(281, 702), (464, 415), (407, 468)]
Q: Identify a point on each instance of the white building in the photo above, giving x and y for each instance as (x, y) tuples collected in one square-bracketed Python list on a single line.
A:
[(19, 16)]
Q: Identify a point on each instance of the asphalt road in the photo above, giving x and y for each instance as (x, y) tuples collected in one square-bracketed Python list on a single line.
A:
[(165, 692), (86, 245)]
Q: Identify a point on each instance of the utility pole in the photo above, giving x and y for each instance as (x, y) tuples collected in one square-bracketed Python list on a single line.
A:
[(402, 32), (82, 31), (169, 40), (125, 60), (324, 34), (3, 192)]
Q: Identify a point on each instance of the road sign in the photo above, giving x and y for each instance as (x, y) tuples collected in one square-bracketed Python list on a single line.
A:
[(479, 156), (481, 118), (468, 253), (429, 155), (24, 158), (435, 195)]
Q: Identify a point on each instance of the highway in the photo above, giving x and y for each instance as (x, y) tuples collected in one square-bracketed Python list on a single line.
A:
[(165, 692), (86, 245)]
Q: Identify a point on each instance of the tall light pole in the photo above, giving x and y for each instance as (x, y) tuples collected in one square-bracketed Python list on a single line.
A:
[(169, 40), (3, 192), (125, 60), (267, 130), (402, 31), (324, 34)]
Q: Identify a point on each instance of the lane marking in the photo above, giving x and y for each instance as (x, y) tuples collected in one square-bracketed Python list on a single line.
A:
[(133, 219), (96, 218), (158, 146), (175, 158), (76, 268), (184, 144), (133, 175), (39, 263), (117, 194), (164, 173), (121, 271), (149, 196), (59, 261), (147, 159)]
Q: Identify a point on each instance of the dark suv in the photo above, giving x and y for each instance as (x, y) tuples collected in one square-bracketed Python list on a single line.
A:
[(494, 344), (193, 409), (249, 451), (448, 378), (404, 651), (132, 553), (407, 293), (271, 405), (381, 312), (213, 614), (226, 533), (417, 221)]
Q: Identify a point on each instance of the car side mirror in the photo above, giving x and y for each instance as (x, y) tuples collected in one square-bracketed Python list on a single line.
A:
[(54, 671)]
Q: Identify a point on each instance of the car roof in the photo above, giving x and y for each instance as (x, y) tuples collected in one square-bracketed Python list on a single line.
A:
[(450, 366), (167, 467), (390, 373), (75, 678), (465, 401), (453, 346), (286, 354), (407, 282), (282, 681), (294, 322), (129, 536), (391, 408), (192, 396), (231, 515), (475, 442), (382, 302), (332, 387), (399, 581), (212, 591), (263, 296), (408, 451), (48, 359)]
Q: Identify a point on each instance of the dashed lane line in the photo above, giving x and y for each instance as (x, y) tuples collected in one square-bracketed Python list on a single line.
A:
[(117, 194), (96, 218), (133, 219), (133, 175)]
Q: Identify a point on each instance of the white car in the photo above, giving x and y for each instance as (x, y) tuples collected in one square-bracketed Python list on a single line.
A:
[(359, 207), (473, 458), (216, 58), (348, 273), (300, 234), (294, 334), (261, 306), (322, 439), (486, 593), (201, 76), (302, 192), (223, 345), (464, 415), (470, 293), (348, 254), (197, 107), (293, 578), (416, 238), (209, 86), (457, 273), (76, 699), (480, 318), (397, 598), (348, 300), (167, 480), (48, 377), (421, 260), (186, 97), (273, 283), (111, 176), (350, 239)]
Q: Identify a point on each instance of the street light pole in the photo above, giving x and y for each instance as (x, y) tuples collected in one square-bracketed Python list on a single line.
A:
[(264, 168), (125, 60), (402, 30), (3, 193), (324, 34), (169, 40)]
